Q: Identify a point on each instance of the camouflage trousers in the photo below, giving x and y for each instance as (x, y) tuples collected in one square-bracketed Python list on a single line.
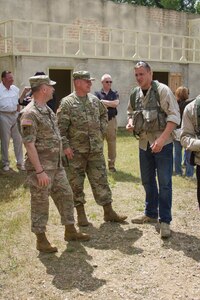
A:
[(61, 193), (92, 164)]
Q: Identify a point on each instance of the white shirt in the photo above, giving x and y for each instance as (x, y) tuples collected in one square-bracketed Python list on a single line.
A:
[(8, 98)]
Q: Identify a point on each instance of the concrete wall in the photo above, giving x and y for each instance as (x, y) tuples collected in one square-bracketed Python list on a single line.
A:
[(121, 72), (97, 13), (193, 79)]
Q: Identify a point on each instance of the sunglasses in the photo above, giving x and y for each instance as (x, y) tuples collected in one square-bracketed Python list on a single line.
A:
[(108, 81)]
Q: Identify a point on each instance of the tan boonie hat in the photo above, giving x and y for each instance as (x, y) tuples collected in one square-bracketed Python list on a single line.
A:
[(39, 80), (82, 75)]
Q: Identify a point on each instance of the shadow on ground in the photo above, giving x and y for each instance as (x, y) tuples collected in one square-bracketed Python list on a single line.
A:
[(112, 236), (124, 177), (188, 244), (73, 268)]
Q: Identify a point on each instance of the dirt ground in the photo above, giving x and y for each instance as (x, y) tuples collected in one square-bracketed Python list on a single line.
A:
[(121, 261)]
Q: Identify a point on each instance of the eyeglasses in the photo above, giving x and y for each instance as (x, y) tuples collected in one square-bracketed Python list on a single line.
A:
[(108, 81)]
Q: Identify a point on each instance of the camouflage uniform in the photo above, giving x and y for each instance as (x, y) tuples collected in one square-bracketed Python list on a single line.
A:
[(39, 125), (83, 122)]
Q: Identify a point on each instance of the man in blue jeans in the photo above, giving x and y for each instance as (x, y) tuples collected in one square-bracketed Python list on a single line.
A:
[(153, 114)]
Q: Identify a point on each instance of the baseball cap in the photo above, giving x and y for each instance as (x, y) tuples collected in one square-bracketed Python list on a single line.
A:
[(39, 80), (82, 75)]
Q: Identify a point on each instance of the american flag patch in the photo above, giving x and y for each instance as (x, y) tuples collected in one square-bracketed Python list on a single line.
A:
[(26, 122)]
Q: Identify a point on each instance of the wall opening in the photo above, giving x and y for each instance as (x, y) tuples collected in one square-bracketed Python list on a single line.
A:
[(173, 80), (63, 85), (161, 77)]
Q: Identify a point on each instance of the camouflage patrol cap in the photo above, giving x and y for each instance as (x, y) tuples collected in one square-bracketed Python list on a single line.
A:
[(82, 75), (36, 81)]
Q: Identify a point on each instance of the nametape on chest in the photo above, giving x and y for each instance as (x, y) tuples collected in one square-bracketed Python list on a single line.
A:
[(26, 122)]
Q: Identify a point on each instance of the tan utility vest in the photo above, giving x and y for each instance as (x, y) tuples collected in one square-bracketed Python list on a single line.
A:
[(149, 117)]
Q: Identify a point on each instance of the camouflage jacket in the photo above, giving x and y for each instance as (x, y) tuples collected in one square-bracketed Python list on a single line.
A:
[(39, 125), (82, 122)]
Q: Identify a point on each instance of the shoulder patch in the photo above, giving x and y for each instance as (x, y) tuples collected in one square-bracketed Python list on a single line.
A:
[(26, 122)]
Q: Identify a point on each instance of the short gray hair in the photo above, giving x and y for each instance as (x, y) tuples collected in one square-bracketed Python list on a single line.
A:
[(105, 76), (143, 64)]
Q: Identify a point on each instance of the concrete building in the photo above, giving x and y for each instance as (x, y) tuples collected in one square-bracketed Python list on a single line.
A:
[(61, 36)]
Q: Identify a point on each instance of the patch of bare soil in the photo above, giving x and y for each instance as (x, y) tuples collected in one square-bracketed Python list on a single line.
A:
[(121, 261)]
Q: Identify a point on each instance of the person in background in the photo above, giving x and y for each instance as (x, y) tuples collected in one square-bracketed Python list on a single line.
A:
[(155, 114), (26, 96), (82, 120), (46, 175), (110, 99), (9, 95), (181, 94), (190, 136)]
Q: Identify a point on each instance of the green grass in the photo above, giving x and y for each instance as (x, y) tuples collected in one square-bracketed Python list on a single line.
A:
[(125, 184)]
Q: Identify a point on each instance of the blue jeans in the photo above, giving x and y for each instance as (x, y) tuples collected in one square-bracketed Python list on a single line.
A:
[(158, 201), (178, 158), (189, 169)]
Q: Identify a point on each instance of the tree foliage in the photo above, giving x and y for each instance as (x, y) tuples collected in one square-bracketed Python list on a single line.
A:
[(192, 6), (197, 7)]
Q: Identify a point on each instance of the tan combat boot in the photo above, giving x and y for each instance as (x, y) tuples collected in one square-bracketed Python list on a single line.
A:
[(81, 216), (111, 215), (43, 244), (71, 234)]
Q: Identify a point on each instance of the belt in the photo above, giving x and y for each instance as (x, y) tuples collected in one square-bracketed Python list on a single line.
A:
[(8, 112)]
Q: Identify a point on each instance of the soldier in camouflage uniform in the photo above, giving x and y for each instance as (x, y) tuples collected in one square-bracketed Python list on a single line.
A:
[(82, 121), (46, 175)]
